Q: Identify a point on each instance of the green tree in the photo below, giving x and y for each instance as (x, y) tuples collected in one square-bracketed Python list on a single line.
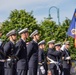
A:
[(19, 19), (58, 32), (64, 37), (48, 30)]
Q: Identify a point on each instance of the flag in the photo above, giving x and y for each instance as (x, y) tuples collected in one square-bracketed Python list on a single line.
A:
[(72, 29)]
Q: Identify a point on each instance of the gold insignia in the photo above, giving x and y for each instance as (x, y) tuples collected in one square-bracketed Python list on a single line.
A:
[(73, 31)]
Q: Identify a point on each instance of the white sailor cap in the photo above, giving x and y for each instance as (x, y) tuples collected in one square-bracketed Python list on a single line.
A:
[(23, 31), (12, 32), (58, 44), (41, 42), (34, 33), (67, 43), (51, 42)]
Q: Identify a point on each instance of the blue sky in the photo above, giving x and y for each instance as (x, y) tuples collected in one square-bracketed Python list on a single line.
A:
[(40, 8)]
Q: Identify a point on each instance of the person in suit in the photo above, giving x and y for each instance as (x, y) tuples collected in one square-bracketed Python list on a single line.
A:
[(51, 57), (9, 50), (41, 58), (66, 59), (21, 53), (32, 53)]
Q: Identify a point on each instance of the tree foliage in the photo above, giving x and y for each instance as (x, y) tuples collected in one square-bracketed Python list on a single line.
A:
[(58, 32), (49, 29), (20, 19)]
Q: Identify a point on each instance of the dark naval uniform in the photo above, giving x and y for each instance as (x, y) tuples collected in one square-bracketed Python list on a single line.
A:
[(66, 62), (32, 52), (52, 55), (21, 53), (1, 63), (9, 49), (41, 57), (59, 58), (42, 60)]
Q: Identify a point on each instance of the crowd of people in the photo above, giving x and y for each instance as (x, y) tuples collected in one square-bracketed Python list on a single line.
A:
[(22, 58)]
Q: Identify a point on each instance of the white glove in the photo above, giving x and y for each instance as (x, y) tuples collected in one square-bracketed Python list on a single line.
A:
[(68, 58), (63, 47), (9, 59), (42, 70)]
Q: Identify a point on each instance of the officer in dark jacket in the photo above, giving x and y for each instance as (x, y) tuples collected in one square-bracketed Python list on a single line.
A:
[(59, 58), (66, 59), (32, 50), (41, 57), (21, 53), (1, 57), (51, 57), (9, 50), (1, 62)]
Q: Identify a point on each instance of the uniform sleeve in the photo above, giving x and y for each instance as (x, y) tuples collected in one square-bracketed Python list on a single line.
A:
[(2, 55), (54, 53), (65, 54), (40, 56), (18, 47), (6, 48), (29, 50)]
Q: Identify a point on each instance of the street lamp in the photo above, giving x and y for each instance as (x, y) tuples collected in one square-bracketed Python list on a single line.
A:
[(57, 13)]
